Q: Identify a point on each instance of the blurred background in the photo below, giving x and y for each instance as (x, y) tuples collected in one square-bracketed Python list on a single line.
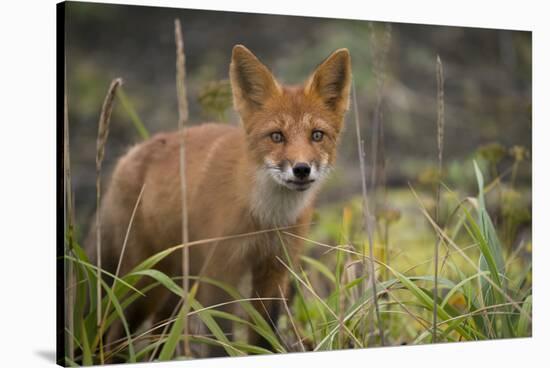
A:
[(487, 98)]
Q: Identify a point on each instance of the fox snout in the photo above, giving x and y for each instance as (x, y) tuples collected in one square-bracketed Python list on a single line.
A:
[(302, 176), (298, 176), (301, 170)]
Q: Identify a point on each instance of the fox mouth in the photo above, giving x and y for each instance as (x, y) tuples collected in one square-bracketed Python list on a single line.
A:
[(284, 176), (299, 185)]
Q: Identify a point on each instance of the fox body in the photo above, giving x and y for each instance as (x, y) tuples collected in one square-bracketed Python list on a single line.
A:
[(259, 176)]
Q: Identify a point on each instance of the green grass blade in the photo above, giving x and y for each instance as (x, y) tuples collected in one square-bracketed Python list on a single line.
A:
[(70, 363), (86, 351), (113, 316), (94, 267), (495, 256), (169, 347), (425, 299), (459, 286), (523, 323), (162, 278), (321, 268), (251, 349), (212, 325), (88, 290), (221, 314), (299, 293), (262, 327), (129, 107), (357, 307), (442, 281), (488, 261), (118, 308)]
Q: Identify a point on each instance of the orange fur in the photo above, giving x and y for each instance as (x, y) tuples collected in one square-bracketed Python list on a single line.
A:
[(237, 182)]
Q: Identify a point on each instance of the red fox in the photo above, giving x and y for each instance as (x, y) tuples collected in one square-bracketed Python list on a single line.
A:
[(261, 175)]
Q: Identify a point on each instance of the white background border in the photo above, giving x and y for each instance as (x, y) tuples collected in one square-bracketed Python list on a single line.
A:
[(28, 169)]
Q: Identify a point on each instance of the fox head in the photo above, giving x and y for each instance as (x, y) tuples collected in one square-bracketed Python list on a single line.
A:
[(292, 131)]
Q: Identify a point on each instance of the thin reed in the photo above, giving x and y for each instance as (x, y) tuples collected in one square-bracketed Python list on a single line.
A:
[(380, 51), (102, 135), (367, 217), (183, 116), (69, 216), (440, 141)]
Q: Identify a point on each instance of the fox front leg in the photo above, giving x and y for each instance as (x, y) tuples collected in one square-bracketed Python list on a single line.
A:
[(268, 280)]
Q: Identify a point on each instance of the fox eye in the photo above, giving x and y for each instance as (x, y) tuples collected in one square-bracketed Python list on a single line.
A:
[(277, 137), (317, 136)]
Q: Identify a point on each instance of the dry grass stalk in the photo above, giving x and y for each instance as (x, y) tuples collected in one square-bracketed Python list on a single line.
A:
[(127, 235), (183, 116), (291, 319), (165, 328), (67, 172), (270, 320), (380, 52), (120, 258), (102, 135), (69, 220), (440, 110), (180, 76), (440, 141), (368, 220), (378, 177), (341, 297)]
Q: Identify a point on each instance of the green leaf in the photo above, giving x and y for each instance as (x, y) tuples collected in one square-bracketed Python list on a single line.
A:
[(523, 322), (459, 286), (262, 327), (176, 331), (162, 278), (70, 363), (357, 307), (427, 300), (118, 308), (250, 348), (86, 351), (321, 268), (210, 322), (492, 256), (91, 266)]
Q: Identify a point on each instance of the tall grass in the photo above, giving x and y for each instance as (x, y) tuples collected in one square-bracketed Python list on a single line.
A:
[(69, 218), (482, 300), (440, 141), (102, 135), (368, 221), (183, 116)]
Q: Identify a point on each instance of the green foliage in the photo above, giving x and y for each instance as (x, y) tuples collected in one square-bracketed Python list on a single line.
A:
[(333, 306), (215, 99), (492, 152)]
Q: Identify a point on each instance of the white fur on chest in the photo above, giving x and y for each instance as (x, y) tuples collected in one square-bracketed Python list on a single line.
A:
[(274, 205)]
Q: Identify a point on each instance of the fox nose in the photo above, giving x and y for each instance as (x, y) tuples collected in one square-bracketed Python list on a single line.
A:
[(301, 170)]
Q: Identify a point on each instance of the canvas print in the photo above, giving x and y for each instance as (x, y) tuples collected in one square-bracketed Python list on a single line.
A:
[(235, 184)]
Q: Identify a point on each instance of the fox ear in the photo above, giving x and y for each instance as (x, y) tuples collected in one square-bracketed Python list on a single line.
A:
[(331, 81), (251, 82)]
